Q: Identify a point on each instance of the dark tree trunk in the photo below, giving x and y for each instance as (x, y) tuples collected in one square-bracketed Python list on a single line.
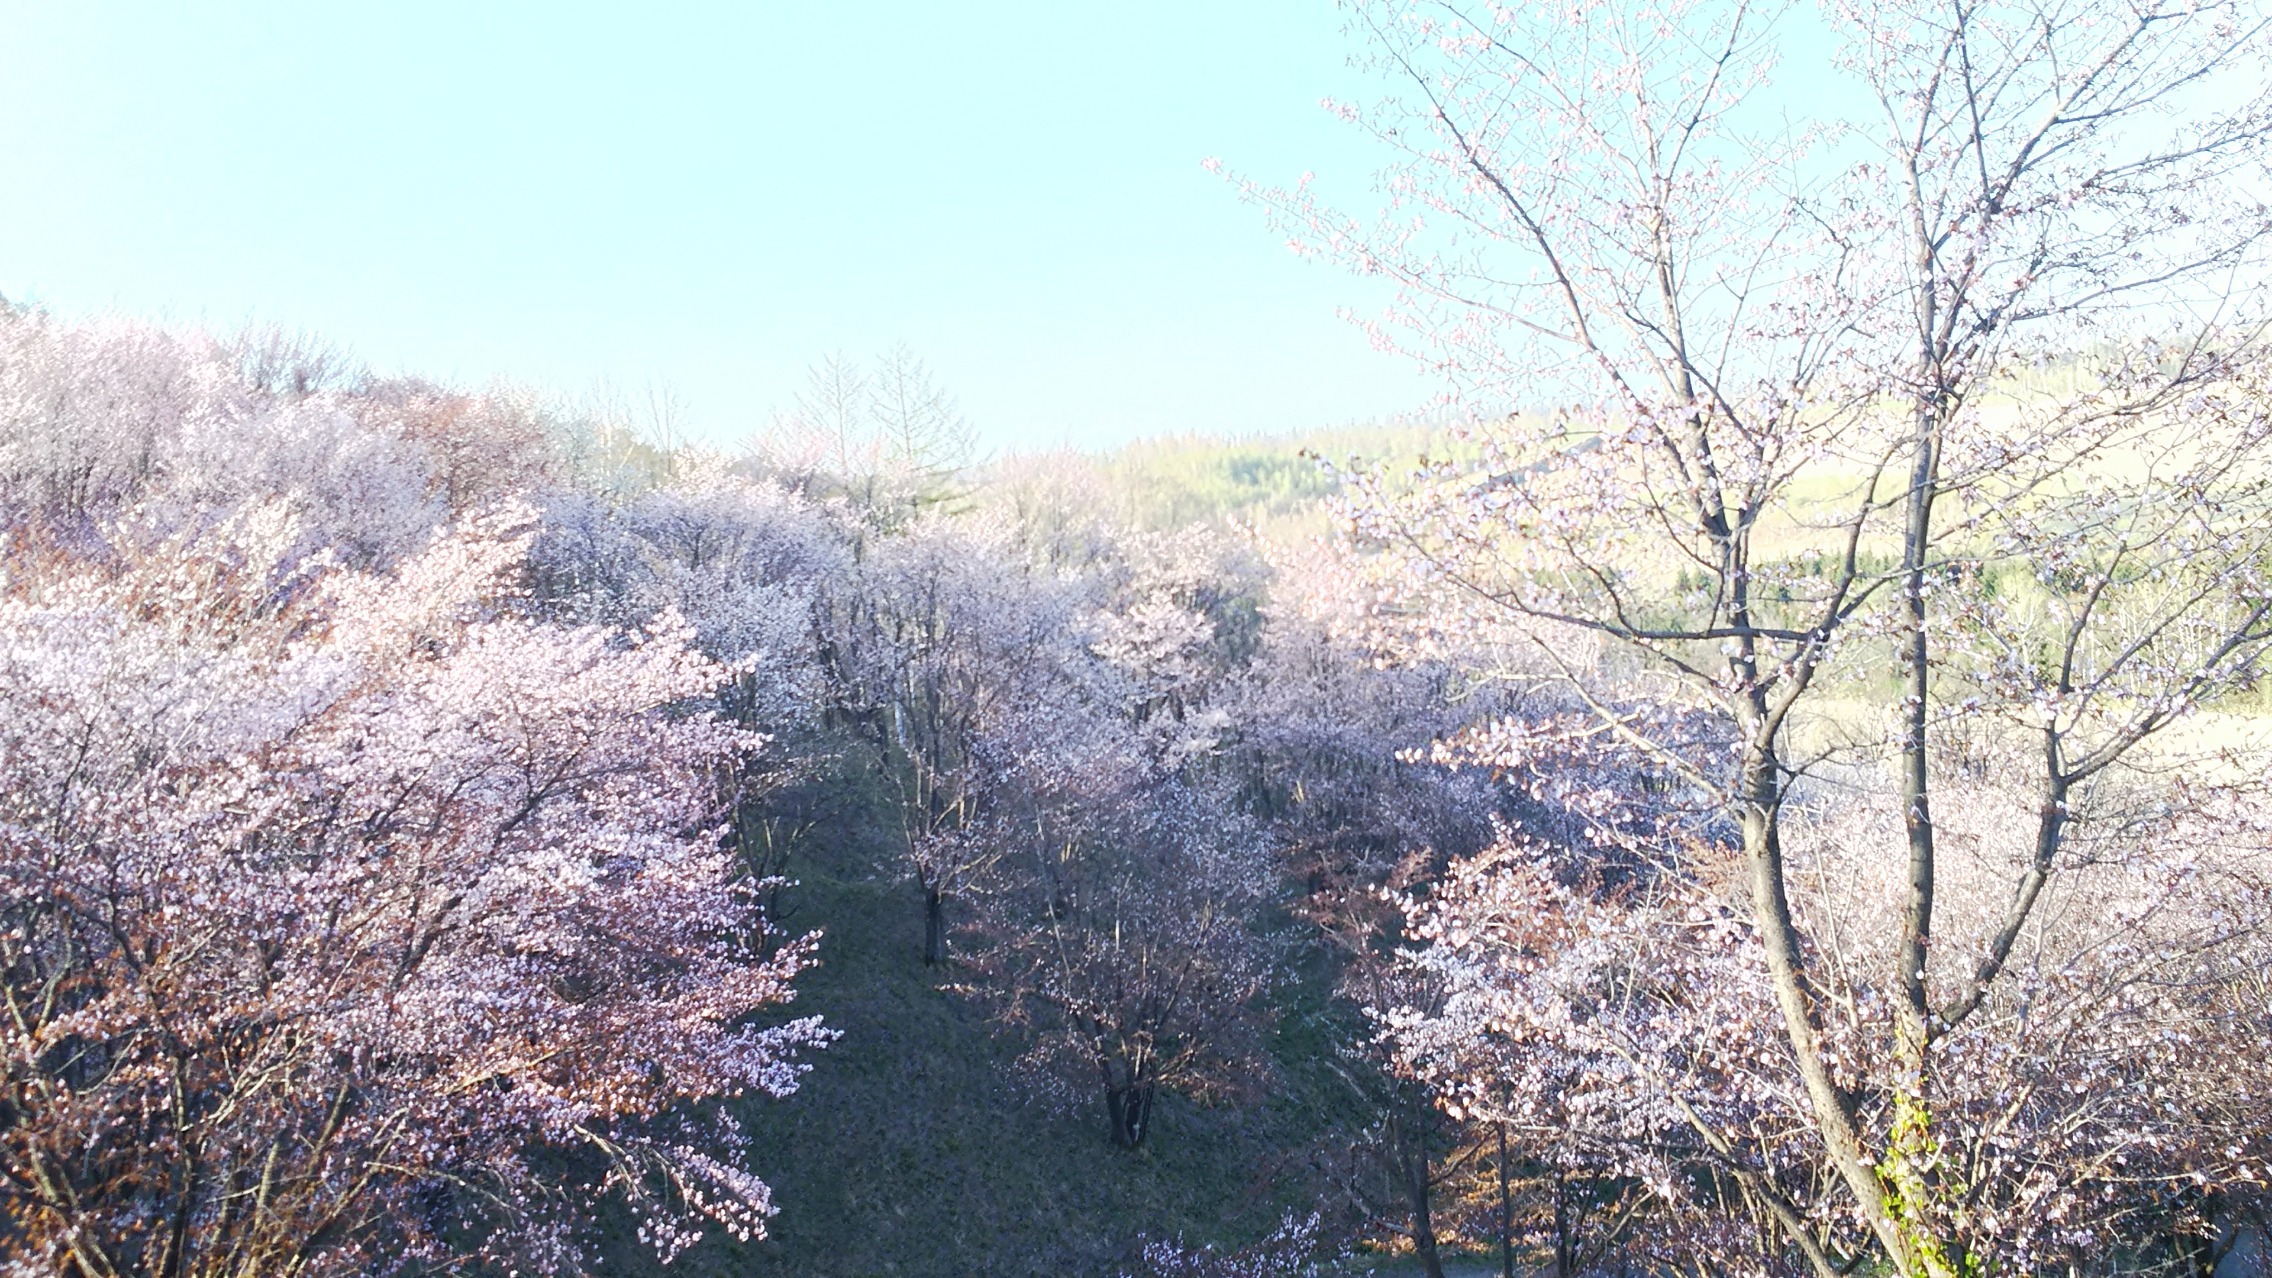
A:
[(1564, 1259), (1423, 1218), (1129, 1109), (1506, 1213), (934, 927)]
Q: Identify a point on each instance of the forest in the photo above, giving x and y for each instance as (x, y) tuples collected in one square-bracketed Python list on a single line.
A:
[(1769, 777)]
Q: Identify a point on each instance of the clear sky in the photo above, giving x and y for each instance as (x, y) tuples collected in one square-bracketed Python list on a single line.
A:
[(711, 195)]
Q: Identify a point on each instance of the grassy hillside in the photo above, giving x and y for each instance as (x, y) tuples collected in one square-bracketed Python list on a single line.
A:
[(1272, 481)]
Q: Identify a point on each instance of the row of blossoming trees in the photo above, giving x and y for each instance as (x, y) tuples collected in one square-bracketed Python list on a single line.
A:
[(389, 836)]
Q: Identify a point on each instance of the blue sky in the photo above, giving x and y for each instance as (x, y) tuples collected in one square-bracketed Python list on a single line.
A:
[(712, 195)]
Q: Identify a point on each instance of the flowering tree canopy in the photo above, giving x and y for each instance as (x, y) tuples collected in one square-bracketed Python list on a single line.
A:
[(333, 899)]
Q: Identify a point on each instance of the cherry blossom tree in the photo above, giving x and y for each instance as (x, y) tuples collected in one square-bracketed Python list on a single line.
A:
[(1958, 376), (354, 922), (1123, 929), (942, 643), (1046, 727), (1180, 622), (746, 562), (97, 418), (363, 494), (1125, 942), (87, 411), (479, 448)]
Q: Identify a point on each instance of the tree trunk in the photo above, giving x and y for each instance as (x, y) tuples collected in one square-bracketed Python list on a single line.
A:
[(1912, 1149), (1506, 1213), (1794, 997), (1129, 1109), (1563, 1259), (934, 927), (1423, 1219)]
